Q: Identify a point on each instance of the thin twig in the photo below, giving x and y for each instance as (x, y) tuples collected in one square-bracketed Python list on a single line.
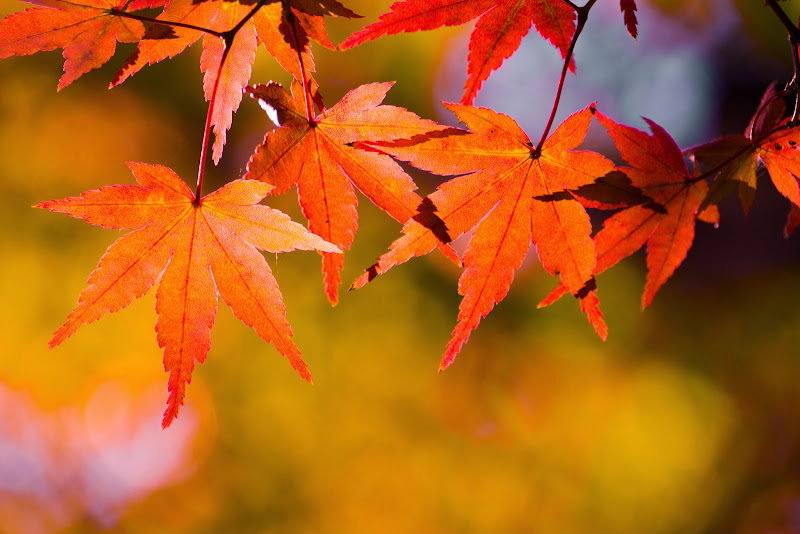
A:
[(753, 142), (207, 129), (583, 15), (306, 89), (763, 108), (785, 20), (227, 37), (118, 13), (230, 34), (794, 41)]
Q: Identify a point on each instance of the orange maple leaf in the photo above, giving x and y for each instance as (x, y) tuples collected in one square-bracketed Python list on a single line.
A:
[(497, 34), (87, 30), (284, 28), (514, 197), (780, 152), (658, 169), (316, 154), (194, 250)]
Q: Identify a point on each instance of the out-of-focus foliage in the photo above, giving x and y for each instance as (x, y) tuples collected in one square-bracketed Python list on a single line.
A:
[(685, 420)]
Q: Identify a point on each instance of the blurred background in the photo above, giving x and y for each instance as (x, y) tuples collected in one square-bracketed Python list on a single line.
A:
[(686, 420)]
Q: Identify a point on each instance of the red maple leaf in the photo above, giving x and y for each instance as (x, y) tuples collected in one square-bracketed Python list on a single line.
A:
[(316, 154), (628, 8), (514, 197), (659, 170), (87, 30), (284, 28), (733, 159), (193, 250), (738, 160), (497, 34)]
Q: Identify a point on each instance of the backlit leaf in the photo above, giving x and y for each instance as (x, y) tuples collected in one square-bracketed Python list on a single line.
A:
[(87, 30), (501, 26), (192, 251), (513, 197), (317, 155)]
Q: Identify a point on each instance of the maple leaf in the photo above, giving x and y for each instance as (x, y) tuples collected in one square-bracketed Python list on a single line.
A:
[(501, 26), (735, 157), (87, 30), (284, 28), (780, 152), (659, 170), (316, 155), (194, 250), (514, 197)]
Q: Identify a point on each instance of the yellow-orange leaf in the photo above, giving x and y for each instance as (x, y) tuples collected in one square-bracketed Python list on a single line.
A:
[(87, 30), (193, 251), (500, 27), (284, 28), (516, 196), (317, 155)]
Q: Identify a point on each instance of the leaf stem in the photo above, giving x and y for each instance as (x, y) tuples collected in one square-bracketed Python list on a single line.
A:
[(230, 34), (227, 37), (583, 16), (207, 130), (794, 41), (792, 86), (290, 18), (763, 107), (754, 143), (119, 13)]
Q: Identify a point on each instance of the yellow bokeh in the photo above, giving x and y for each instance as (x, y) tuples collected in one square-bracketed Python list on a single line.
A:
[(683, 421)]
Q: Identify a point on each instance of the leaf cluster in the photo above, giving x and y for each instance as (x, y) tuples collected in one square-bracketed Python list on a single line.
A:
[(509, 190)]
